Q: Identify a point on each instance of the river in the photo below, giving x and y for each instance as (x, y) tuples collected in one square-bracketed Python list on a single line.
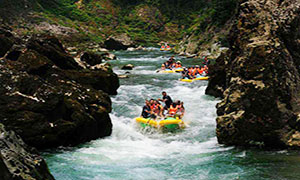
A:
[(131, 153)]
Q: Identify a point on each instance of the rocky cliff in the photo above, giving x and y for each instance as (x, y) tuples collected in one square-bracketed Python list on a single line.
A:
[(19, 161), (47, 98), (258, 78), (206, 36)]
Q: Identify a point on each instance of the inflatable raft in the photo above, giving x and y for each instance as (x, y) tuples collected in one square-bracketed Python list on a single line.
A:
[(201, 78), (196, 79), (165, 49), (168, 124)]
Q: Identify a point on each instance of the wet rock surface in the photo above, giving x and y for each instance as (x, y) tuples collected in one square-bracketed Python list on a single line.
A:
[(127, 67), (19, 161), (258, 78), (49, 100)]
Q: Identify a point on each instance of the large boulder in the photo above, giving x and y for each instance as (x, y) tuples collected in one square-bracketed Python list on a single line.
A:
[(19, 161), (49, 101), (261, 82), (51, 47), (99, 80), (51, 112), (91, 58), (120, 42)]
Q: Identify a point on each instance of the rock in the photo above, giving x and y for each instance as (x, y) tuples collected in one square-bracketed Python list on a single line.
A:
[(258, 78), (131, 49), (190, 55), (182, 54), (104, 66), (50, 47), (217, 77), (13, 55), (19, 161), (91, 58), (72, 49), (102, 50), (127, 67), (29, 105), (123, 76), (34, 63), (6, 40), (120, 42), (54, 29), (52, 103), (140, 48), (109, 56), (99, 80)]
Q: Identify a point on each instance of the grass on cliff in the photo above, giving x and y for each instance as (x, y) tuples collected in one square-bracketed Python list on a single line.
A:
[(167, 20)]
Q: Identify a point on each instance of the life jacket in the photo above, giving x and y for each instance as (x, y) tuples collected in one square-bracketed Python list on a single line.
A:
[(162, 47), (178, 66), (173, 110), (201, 70), (168, 47), (194, 71), (153, 108)]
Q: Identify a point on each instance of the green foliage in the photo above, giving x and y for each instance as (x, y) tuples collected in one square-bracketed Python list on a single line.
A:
[(94, 18)]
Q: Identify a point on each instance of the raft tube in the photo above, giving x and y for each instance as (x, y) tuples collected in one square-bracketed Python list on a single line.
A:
[(178, 69), (165, 49), (186, 80), (171, 70), (166, 124), (167, 71), (196, 79), (201, 78)]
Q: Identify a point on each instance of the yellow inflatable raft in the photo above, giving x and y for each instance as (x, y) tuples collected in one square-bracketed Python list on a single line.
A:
[(168, 124), (201, 78), (196, 79), (167, 71), (186, 80), (165, 49)]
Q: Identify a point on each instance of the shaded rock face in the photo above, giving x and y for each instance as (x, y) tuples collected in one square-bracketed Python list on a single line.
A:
[(6, 41), (259, 77), (51, 102), (91, 58), (217, 76), (121, 42), (18, 161), (50, 47)]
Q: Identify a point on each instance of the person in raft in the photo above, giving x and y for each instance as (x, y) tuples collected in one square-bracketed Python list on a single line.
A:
[(166, 99), (176, 110), (146, 113), (186, 73), (181, 109)]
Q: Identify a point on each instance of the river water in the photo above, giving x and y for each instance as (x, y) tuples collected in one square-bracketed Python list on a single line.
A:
[(131, 153)]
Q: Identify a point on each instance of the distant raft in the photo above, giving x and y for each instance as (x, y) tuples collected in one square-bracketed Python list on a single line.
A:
[(196, 79), (169, 124), (165, 49)]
